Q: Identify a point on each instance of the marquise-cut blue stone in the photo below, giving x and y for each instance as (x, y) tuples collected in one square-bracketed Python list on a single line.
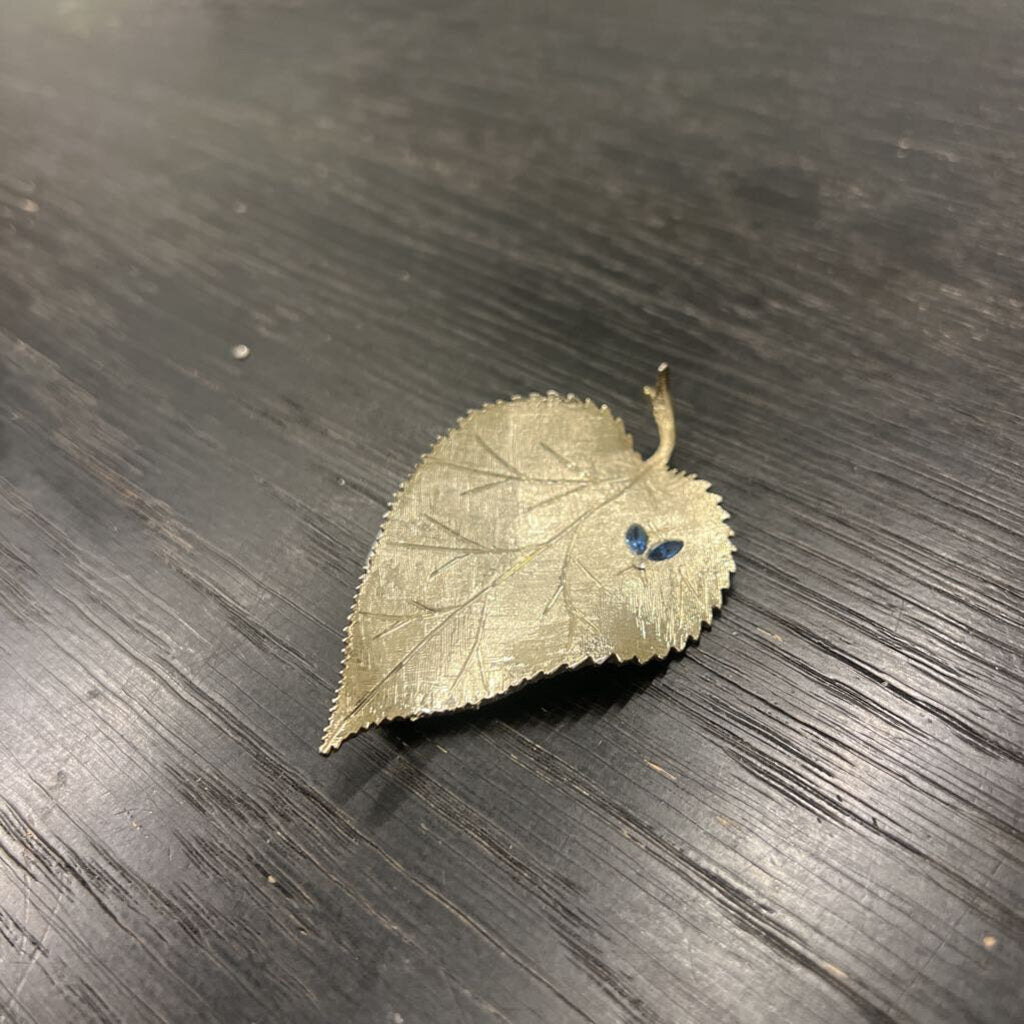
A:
[(636, 538), (665, 550)]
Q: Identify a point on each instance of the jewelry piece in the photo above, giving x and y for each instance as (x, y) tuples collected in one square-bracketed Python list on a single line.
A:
[(531, 538)]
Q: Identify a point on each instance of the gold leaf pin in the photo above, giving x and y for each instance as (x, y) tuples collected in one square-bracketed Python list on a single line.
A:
[(533, 537)]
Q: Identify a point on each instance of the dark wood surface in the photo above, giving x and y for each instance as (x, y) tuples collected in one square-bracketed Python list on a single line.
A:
[(814, 210)]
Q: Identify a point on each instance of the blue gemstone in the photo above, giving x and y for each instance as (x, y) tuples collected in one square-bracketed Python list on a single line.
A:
[(665, 550), (636, 538)]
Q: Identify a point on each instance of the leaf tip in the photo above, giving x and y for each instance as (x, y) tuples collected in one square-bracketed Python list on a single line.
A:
[(336, 733), (331, 739)]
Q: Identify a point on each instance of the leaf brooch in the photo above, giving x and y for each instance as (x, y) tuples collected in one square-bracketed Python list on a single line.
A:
[(532, 538)]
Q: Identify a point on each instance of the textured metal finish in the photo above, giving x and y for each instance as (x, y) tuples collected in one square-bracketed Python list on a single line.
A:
[(504, 557)]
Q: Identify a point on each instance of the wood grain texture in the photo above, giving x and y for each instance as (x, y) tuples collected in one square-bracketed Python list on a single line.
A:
[(813, 210)]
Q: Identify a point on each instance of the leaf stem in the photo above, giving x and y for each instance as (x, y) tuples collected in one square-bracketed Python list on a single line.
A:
[(661, 407)]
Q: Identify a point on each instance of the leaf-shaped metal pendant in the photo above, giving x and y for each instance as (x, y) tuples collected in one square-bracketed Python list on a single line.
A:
[(532, 537)]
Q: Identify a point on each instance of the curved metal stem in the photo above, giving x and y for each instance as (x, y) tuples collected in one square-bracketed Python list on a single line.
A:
[(661, 407)]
